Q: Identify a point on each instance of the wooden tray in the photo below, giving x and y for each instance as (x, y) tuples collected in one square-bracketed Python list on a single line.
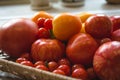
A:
[(29, 73)]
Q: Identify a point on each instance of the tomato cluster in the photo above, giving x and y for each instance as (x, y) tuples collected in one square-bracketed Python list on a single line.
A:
[(45, 27), (62, 67)]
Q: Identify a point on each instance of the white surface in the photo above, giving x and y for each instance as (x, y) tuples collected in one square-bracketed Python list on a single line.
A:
[(24, 10)]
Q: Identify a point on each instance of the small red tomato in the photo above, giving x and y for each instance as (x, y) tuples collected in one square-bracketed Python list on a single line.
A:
[(39, 63), (65, 68), (27, 63), (80, 73), (43, 33), (64, 61), (76, 66), (21, 59), (40, 22), (26, 55), (42, 67), (52, 65), (58, 71), (48, 24)]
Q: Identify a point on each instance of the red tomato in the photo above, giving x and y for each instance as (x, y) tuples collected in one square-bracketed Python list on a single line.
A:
[(26, 55), (76, 66), (27, 63), (21, 59), (80, 73), (42, 67), (58, 71), (48, 24), (64, 61), (43, 33), (40, 22), (52, 65), (39, 63), (81, 48), (65, 68), (47, 50)]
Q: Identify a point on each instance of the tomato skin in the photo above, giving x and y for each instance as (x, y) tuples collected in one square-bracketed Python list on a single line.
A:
[(47, 50), (26, 55), (42, 67), (52, 65), (39, 63), (43, 33), (65, 68), (48, 24), (27, 63), (58, 71), (76, 66), (40, 22), (80, 73), (64, 61), (81, 48), (21, 59)]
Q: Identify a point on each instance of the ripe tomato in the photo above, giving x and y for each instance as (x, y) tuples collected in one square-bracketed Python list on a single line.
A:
[(48, 24), (58, 71), (80, 73), (26, 55), (40, 22), (21, 59), (47, 50), (76, 66), (64, 61), (52, 65), (27, 63), (42, 67), (65, 68), (81, 48), (39, 63), (43, 33)]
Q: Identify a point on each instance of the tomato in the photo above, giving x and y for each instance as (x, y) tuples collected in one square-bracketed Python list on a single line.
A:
[(21, 59), (48, 24), (47, 50), (42, 67), (80, 73), (27, 63), (64, 61), (43, 33), (65, 68), (39, 63), (76, 66), (26, 55), (58, 71), (40, 22), (81, 48), (52, 65)]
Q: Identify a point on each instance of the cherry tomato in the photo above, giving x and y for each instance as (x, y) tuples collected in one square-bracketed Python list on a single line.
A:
[(43, 33), (80, 73), (65, 68), (48, 24), (42, 67), (40, 22), (58, 71), (76, 66), (27, 63), (64, 61), (52, 65), (26, 55), (39, 63), (21, 59)]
